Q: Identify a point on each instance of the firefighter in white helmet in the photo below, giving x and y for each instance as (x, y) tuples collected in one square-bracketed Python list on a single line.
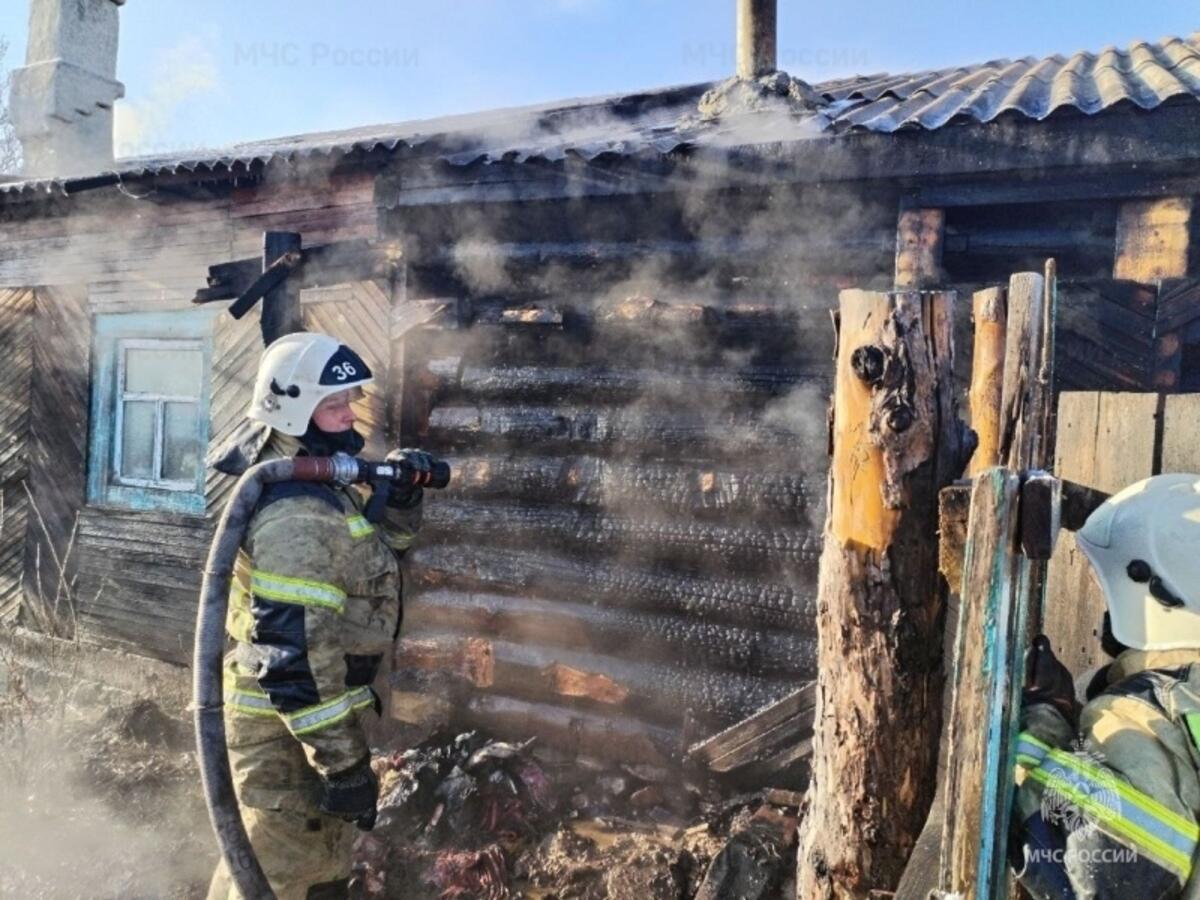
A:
[(314, 605), (1109, 795)]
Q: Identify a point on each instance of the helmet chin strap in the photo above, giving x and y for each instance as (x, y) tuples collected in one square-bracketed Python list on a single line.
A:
[(317, 442)]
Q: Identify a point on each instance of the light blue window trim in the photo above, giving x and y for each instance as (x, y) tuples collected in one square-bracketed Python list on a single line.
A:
[(114, 336)]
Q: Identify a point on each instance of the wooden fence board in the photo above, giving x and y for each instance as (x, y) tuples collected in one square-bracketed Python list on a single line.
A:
[(1181, 433), (1105, 441)]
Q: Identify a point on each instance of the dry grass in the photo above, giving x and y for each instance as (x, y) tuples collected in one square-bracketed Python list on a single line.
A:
[(38, 677), (91, 805)]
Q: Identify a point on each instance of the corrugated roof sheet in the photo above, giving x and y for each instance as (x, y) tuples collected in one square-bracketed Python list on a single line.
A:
[(663, 121)]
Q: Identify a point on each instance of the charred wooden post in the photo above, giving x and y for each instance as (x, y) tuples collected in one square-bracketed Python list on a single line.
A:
[(1027, 403), (756, 41), (987, 377), (1022, 408), (896, 441), (1000, 602), (281, 303)]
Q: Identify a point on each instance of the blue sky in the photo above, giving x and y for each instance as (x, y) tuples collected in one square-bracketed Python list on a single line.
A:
[(229, 70)]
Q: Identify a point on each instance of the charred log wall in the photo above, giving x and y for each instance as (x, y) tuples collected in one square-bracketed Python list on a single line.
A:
[(638, 435)]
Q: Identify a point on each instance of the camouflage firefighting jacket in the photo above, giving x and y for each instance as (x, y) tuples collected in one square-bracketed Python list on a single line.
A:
[(314, 605), (1113, 812)]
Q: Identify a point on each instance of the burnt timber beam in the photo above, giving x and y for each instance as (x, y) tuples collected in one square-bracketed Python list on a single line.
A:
[(272, 276), (281, 302), (759, 734), (327, 264), (1084, 183)]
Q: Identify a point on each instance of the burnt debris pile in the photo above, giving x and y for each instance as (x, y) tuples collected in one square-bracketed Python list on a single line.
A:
[(461, 816)]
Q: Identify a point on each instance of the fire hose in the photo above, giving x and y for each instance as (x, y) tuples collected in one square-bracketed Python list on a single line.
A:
[(207, 686)]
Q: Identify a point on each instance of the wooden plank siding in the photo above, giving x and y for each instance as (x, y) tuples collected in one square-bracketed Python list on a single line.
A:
[(107, 252), (340, 207), (1105, 441), (57, 452), (1105, 339), (359, 314), (139, 579), (237, 347), (16, 335), (1180, 450)]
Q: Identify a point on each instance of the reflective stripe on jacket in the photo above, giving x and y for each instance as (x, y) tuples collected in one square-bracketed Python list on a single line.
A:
[(314, 605), (1113, 812)]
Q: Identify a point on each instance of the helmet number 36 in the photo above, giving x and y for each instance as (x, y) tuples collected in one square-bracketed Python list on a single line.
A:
[(345, 370)]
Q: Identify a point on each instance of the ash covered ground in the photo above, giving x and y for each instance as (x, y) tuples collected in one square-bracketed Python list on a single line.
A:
[(100, 798), (99, 802)]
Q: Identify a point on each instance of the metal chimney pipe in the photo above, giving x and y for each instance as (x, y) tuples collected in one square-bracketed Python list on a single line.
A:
[(756, 48)]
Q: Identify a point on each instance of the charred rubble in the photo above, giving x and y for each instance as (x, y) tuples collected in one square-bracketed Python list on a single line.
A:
[(464, 816)]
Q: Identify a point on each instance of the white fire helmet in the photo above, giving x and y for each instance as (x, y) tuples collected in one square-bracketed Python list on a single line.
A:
[(296, 372), (1144, 544)]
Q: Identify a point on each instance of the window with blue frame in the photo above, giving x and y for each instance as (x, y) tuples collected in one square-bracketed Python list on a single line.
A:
[(150, 398)]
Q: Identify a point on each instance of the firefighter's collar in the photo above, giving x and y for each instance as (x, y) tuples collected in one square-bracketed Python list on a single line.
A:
[(1133, 661)]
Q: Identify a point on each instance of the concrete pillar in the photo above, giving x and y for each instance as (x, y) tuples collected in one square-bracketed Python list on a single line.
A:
[(62, 98)]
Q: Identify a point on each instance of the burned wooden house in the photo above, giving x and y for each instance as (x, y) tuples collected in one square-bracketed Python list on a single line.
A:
[(612, 316)]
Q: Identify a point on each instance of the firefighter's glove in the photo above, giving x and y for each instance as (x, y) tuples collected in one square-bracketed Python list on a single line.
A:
[(352, 794), (415, 466), (1048, 681)]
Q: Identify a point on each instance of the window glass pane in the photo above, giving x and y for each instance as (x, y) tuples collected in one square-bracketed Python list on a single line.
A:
[(174, 372), (181, 446), (137, 440)]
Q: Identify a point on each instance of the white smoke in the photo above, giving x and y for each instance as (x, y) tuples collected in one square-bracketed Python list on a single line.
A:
[(181, 74)]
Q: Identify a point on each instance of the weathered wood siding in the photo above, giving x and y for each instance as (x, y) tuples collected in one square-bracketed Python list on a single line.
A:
[(340, 207), (57, 452), (135, 576), (16, 349), (359, 313), (1091, 428), (140, 579), (1105, 335)]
